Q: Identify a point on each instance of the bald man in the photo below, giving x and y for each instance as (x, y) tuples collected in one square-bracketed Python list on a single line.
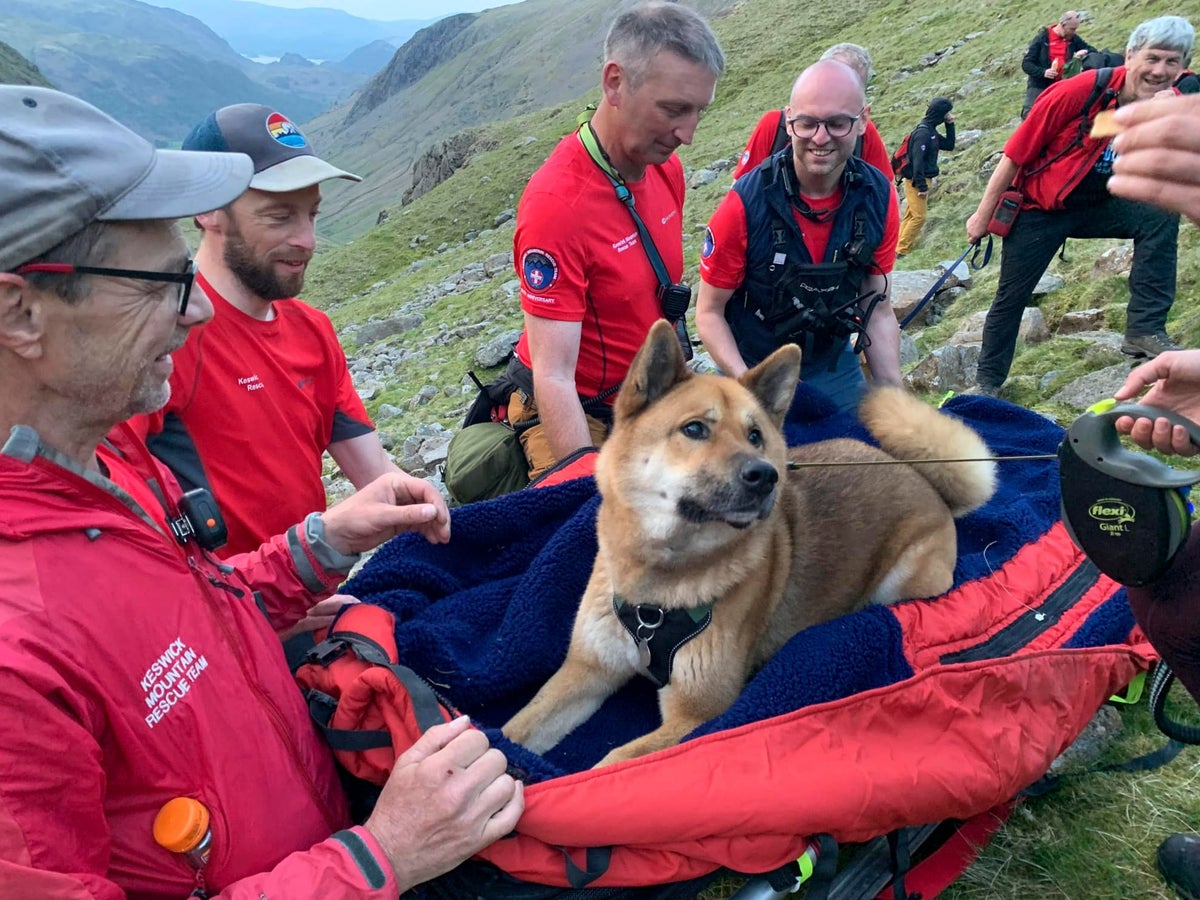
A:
[(1049, 52), (799, 251)]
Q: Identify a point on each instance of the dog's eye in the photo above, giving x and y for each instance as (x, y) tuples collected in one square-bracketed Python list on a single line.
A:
[(696, 430), (755, 437)]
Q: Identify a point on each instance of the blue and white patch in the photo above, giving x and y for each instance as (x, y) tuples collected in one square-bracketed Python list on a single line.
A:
[(710, 244), (539, 270)]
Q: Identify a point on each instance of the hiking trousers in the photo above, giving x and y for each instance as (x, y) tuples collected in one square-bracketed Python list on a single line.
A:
[(915, 207), (1032, 92), (535, 443), (1035, 238)]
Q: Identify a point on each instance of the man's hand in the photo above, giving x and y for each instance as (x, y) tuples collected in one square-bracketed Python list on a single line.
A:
[(977, 226), (1174, 382), (320, 615), (391, 504), (949, 118), (1051, 74), (1080, 54), (1158, 154), (447, 798)]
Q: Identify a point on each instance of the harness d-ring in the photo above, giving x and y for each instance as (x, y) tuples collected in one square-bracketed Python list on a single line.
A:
[(650, 627)]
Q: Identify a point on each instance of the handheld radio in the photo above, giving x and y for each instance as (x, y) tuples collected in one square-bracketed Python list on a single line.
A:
[(1127, 511)]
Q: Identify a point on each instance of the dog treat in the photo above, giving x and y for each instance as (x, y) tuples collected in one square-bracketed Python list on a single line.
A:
[(1105, 126)]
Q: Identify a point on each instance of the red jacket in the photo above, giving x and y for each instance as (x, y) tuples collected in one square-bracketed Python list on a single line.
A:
[(134, 670), (1050, 128)]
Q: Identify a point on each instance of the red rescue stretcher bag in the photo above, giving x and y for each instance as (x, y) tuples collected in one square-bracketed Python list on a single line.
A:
[(892, 721)]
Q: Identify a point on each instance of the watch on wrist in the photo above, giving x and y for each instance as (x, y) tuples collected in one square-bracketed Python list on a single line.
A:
[(330, 559)]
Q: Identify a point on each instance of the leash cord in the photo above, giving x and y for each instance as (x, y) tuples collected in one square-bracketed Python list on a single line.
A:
[(914, 462)]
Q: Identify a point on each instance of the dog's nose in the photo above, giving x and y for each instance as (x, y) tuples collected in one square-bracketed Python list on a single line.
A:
[(758, 475)]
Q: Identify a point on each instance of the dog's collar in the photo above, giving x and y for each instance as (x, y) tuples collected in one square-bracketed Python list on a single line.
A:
[(659, 633)]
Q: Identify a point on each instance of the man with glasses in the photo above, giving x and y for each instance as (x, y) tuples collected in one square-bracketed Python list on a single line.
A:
[(771, 134), (799, 251), (262, 391), (135, 668)]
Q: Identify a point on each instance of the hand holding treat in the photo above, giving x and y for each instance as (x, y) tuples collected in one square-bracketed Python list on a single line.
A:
[(1158, 152)]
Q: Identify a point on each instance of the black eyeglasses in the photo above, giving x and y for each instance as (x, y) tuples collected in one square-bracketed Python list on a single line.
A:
[(805, 127), (184, 279)]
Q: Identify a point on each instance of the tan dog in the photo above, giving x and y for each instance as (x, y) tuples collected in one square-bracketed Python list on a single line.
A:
[(700, 515)]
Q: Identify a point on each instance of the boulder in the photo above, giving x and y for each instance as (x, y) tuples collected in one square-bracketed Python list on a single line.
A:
[(497, 350), (949, 368), (1080, 320), (1085, 391), (1114, 261)]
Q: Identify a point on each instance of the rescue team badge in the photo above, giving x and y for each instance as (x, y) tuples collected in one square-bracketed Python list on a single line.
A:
[(709, 244), (280, 128), (539, 270)]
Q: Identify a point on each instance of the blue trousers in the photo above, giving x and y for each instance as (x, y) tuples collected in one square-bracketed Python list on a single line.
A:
[(845, 385)]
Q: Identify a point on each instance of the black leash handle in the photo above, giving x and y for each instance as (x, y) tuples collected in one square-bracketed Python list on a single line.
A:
[(973, 250)]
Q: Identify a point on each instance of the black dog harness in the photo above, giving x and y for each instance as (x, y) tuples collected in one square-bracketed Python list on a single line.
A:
[(659, 633)]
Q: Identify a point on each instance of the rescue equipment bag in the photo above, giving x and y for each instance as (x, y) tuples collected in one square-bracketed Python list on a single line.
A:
[(484, 458), (369, 707)]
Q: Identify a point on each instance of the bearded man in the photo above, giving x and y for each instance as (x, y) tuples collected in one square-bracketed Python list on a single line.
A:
[(262, 391)]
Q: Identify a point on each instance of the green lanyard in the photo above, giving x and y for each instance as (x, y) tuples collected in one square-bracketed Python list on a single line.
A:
[(587, 137)]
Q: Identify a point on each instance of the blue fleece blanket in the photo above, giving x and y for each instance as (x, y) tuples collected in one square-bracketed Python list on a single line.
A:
[(487, 617)]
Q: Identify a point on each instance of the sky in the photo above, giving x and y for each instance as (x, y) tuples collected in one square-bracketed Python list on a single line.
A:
[(391, 9)]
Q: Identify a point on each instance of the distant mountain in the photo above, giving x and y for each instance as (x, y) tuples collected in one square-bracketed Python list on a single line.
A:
[(16, 69), (459, 73), (367, 60), (155, 69), (255, 29)]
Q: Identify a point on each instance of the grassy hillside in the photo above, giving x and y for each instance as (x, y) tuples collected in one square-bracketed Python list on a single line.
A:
[(16, 69), (1092, 839)]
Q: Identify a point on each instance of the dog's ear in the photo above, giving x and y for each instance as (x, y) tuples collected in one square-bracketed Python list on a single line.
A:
[(773, 381), (657, 367)]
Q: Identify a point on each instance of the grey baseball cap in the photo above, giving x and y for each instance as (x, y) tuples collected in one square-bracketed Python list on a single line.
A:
[(65, 164), (283, 158)]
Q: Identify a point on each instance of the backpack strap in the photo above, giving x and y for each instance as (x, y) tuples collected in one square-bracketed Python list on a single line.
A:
[(1100, 93), (782, 138)]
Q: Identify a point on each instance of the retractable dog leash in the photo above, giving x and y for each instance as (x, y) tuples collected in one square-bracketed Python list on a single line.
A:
[(1127, 511)]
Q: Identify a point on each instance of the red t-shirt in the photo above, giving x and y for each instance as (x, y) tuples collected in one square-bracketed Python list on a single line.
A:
[(723, 262), (1050, 129), (256, 404), (1058, 49), (579, 257), (762, 139)]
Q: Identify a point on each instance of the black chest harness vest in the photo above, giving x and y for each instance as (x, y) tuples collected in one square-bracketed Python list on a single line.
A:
[(796, 300), (659, 633)]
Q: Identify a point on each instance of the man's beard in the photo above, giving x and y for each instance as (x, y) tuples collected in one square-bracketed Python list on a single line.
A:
[(258, 276)]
